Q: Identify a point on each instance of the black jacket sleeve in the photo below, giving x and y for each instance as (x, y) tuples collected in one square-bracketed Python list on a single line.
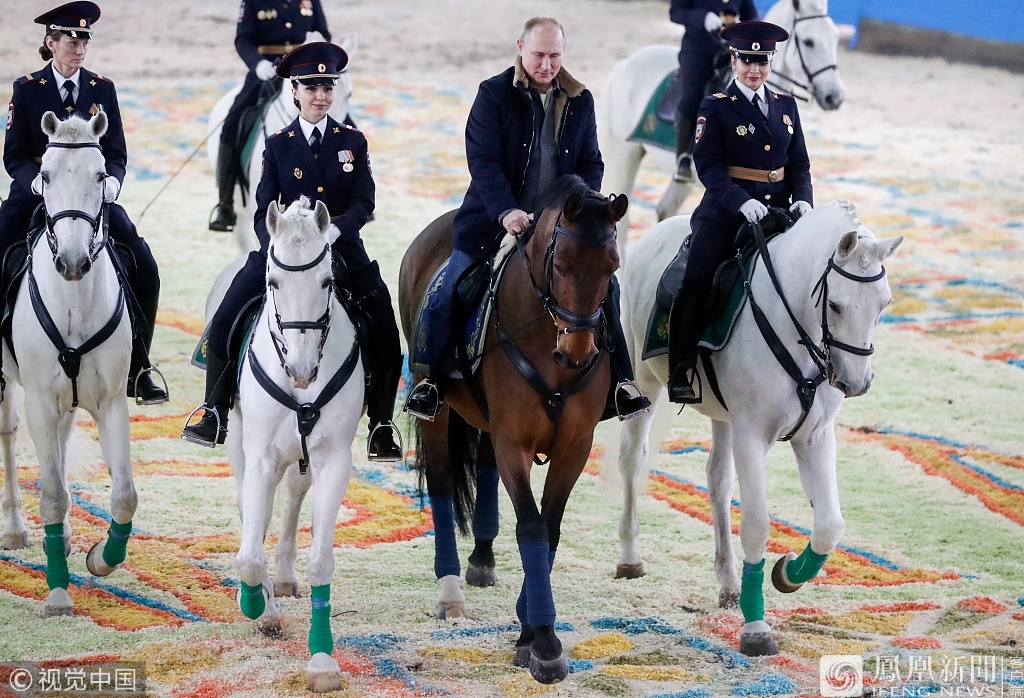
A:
[(320, 20), (361, 203), (268, 190), (246, 39), (484, 154), (18, 159), (589, 164), (684, 12), (115, 151)]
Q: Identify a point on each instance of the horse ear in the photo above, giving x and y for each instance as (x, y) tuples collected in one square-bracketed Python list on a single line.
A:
[(351, 44), (847, 245), (572, 208), (796, 5), (50, 124), (322, 217), (98, 124), (887, 248), (617, 206), (273, 219)]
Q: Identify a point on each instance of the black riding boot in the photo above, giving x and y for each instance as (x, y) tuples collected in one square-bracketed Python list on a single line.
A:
[(424, 401), (223, 218), (380, 407), (622, 403), (684, 150), (141, 385), (220, 388), (684, 330)]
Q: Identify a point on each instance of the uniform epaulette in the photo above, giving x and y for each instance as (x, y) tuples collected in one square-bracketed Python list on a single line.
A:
[(719, 95), (274, 135), (25, 78), (784, 95)]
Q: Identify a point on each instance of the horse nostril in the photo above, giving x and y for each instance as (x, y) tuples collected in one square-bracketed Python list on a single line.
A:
[(59, 264), (86, 267), (559, 357)]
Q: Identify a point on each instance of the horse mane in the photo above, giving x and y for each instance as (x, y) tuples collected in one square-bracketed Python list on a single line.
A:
[(590, 227), (840, 216)]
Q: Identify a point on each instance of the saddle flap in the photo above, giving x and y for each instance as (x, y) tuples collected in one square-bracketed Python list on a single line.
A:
[(668, 102)]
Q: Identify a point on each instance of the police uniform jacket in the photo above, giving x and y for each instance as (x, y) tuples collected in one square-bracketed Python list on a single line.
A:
[(36, 94), (691, 14), (276, 23), (340, 177), (499, 135), (731, 131)]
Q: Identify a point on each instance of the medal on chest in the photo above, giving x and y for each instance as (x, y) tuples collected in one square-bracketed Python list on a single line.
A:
[(742, 130), (789, 123), (306, 9), (346, 157)]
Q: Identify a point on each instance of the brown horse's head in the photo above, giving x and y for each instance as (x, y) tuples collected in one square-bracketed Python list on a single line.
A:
[(574, 244)]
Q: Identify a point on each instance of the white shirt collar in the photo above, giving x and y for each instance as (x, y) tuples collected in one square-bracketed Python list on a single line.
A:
[(61, 79), (749, 93), (307, 128)]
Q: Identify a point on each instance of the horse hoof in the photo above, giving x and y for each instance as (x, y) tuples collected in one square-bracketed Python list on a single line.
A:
[(624, 571), (779, 579), (268, 627), (324, 675), (15, 541), (451, 610), (58, 603), (480, 576), (728, 599), (758, 645), (286, 589), (548, 671), (522, 658), (94, 561)]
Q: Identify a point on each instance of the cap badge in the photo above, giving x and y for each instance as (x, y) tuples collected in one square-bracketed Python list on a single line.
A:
[(81, 23), (321, 68), (755, 46)]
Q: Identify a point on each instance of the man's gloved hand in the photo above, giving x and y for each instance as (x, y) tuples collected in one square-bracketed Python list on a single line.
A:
[(515, 221), (712, 23), (753, 210), (37, 185), (265, 70), (799, 208), (111, 189)]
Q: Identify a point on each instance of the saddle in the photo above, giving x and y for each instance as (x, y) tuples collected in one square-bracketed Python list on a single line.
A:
[(728, 295)]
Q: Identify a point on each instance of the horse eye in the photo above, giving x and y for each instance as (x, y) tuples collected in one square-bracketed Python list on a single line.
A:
[(272, 282), (559, 269), (835, 307), (326, 283), (809, 43), (45, 176)]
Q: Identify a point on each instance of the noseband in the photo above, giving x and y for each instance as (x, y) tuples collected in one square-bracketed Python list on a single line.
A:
[(323, 323), (809, 85), (98, 222)]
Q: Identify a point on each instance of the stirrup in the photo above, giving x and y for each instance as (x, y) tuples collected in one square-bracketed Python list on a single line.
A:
[(626, 385), (163, 379), (192, 439), (394, 430), (426, 383)]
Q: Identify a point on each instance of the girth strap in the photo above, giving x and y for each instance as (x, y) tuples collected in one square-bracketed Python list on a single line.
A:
[(70, 358), (306, 414)]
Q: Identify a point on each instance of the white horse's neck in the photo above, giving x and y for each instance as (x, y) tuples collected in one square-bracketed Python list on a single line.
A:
[(783, 14), (78, 308)]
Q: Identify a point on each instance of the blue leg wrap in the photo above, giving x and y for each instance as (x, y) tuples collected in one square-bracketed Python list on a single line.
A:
[(536, 606), (521, 601), (485, 516), (446, 554)]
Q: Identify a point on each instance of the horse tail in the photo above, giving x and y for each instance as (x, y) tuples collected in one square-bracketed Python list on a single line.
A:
[(463, 444)]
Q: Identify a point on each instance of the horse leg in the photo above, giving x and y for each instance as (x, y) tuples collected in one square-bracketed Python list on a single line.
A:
[(623, 160), (115, 441), (330, 483), (674, 197), (720, 471), (480, 572), (286, 582), (749, 451), (50, 435), (15, 533), (256, 592), (634, 449), (816, 457)]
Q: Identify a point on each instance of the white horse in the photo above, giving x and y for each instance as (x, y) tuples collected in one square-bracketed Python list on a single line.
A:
[(300, 400), (279, 113), (72, 301), (807, 60), (831, 273)]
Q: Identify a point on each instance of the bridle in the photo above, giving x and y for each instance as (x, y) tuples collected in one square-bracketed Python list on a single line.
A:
[(828, 340), (100, 222), (323, 323), (808, 73)]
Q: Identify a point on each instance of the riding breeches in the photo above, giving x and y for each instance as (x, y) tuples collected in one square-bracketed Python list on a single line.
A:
[(695, 70), (228, 165)]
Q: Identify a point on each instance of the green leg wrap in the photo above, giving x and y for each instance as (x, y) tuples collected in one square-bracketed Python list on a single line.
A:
[(252, 601), (751, 596), (56, 564), (320, 638), (805, 567), (116, 547)]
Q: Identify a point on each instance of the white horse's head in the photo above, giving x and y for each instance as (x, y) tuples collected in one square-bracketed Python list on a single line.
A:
[(849, 298), (811, 54), (71, 177), (300, 285)]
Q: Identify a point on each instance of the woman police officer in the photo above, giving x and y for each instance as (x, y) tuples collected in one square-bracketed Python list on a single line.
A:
[(323, 160), (64, 87), (750, 154)]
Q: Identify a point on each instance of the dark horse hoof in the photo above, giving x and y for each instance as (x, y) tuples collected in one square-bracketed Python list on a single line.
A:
[(779, 580), (629, 571), (758, 645), (522, 658), (548, 670), (480, 576)]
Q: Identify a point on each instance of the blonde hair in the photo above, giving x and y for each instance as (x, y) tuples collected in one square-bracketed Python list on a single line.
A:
[(535, 22)]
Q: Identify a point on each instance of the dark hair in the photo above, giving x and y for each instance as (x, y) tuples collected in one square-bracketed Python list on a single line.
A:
[(46, 53), (592, 227)]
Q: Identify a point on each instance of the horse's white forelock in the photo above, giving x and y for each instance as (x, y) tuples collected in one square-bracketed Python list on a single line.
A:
[(299, 215), (74, 129)]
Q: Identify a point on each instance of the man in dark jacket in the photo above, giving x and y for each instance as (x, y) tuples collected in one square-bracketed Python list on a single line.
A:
[(529, 125)]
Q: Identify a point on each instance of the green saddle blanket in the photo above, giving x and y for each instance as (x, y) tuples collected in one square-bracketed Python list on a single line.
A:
[(245, 323)]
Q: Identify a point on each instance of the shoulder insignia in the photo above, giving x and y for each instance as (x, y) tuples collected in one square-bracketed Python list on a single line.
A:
[(92, 83), (274, 135), (100, 77), (351, 128), (786, 96), (719, 95), (337, 129), (25, 78), (291, 134)]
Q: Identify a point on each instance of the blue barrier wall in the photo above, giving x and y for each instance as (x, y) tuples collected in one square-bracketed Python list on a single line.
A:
[(998, 22)]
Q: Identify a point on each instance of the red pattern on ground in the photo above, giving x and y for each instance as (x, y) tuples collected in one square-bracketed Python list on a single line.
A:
[(214, 688), (724, 625), (917, 643), (900, 606), (980, 604)]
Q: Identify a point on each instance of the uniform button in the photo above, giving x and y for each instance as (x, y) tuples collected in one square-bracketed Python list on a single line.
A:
[(767, 147), (320, 190), (566, 152), (287, 25), (767, 197)]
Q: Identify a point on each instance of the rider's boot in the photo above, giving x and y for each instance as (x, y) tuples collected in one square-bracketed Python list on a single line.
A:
[(425, 400), (684, 173), (684, 330), (380, 406), (626, 400), (223, 218), (141, 385), (212, 429)]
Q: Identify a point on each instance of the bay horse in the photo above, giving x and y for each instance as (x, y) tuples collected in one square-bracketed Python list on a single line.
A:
[(544, 378)]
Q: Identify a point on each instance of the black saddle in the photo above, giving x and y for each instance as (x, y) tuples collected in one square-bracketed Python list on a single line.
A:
[(721, 74)]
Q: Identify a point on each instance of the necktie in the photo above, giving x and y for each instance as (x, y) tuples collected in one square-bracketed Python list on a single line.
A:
[(314, 142), (760, 105), (69, 100)]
